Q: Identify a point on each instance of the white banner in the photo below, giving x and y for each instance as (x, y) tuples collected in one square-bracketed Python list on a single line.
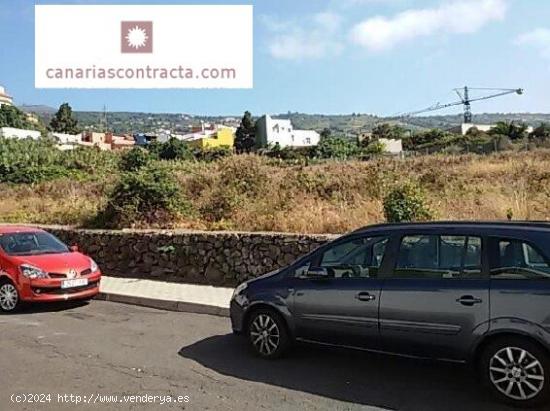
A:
[(137, 46)]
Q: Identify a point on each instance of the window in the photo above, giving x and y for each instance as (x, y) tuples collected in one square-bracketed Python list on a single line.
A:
[(435, 256), (357, 258), (31, 243), (519, 260)]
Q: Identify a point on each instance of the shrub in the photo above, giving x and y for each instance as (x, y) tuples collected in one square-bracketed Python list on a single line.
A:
[(406, 202), (173, 149), (135, 159), (337, 148), (148, 196), (212, 154), (28, 161)]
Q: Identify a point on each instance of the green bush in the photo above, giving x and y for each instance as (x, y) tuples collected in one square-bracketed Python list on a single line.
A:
[(148, 196), (212, 154), (337, 148), (135, 159), (406, 202), (173, 149), (30, 161)]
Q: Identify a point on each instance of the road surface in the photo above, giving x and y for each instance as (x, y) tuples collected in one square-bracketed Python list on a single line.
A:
[(105, 352)]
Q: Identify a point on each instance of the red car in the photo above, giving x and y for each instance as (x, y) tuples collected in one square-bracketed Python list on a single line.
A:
[(35, 266)]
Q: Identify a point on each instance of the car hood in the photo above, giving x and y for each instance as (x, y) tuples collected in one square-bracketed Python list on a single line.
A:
[(56, 263), (264, 276)]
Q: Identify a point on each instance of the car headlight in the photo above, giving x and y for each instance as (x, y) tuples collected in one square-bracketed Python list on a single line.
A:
[(240, 288), (93, 266), (32, 272)]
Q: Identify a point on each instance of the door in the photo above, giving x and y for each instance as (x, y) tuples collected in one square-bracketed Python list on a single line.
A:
[(340, 307), (436, 302)]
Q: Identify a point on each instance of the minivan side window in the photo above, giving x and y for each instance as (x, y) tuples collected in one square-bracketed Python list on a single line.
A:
[(356, 258), (439, 256), (518, 260)]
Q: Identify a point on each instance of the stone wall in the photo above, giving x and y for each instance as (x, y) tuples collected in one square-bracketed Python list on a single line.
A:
[(214, 258)]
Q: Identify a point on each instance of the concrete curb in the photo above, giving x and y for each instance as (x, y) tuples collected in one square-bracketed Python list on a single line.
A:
[(168, 305)]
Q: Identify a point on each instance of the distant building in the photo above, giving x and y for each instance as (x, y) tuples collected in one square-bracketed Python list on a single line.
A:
[(222, 137), (392, 146), (119, 142), (144, 139), (95, 139), (271, 131), (4, 98), (9, 132)]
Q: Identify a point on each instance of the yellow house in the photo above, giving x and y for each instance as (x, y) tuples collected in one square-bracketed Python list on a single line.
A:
[(224, 136)]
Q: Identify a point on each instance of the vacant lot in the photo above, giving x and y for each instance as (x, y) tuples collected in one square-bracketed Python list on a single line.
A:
[(256, 193)]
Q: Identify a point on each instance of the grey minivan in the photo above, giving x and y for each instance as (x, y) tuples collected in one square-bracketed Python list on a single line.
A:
[(456, 291)]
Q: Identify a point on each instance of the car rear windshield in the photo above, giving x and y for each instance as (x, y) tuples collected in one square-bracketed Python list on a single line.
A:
[(31, 243)]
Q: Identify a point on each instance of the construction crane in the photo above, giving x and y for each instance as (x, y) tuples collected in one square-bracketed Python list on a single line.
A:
[(465, 100)]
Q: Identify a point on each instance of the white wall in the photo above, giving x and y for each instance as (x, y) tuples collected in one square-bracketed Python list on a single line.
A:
[(392, 146), (282, 132), (67, 138), (8, 132)]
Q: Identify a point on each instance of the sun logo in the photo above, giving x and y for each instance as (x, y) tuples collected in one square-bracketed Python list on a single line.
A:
[(137, 37)]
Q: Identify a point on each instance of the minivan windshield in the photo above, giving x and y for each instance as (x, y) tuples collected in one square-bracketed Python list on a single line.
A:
[(31, 243)]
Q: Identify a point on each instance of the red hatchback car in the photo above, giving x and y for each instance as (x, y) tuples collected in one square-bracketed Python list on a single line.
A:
[(35, 266)]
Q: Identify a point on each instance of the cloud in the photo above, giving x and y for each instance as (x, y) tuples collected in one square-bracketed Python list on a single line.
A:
[(460, 17), (315, 37), (538, 38)]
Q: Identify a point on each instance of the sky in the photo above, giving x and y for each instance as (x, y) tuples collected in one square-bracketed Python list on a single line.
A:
[(381, 57)]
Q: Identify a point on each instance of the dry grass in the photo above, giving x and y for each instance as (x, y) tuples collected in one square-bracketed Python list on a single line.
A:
[(257, 194)]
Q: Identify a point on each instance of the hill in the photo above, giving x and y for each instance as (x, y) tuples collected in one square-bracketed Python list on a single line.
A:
[(344, 124)]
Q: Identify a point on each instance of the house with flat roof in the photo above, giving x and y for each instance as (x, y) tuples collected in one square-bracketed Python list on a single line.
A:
[(271, 131)]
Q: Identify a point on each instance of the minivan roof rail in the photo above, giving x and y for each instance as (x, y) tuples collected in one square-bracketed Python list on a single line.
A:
[(515, 223)]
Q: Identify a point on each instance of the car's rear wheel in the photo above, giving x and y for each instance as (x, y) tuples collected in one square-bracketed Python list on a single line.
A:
[(267, 334), (9, 296), (517, 371)]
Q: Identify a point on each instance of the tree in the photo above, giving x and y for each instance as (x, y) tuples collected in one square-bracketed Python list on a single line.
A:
[(326, 133), (11, 116), (336, 147), (63, 121), (514, 131), (388, 131), (542, 132), (245, 137)]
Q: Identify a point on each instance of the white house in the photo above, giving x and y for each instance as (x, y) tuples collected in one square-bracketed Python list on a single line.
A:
[(8, 132), (271, 131)]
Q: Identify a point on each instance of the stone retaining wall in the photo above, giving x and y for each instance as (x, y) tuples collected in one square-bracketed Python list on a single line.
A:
[(214, 258)]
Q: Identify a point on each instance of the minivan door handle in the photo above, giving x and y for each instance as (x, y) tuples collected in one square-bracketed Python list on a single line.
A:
[(365, 296), (469, 300)]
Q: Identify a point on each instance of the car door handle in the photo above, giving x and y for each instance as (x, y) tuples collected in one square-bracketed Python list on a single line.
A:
[(364, 296), (469, 300)]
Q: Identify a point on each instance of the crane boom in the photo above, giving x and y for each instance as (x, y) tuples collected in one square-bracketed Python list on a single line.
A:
[(465, 100)]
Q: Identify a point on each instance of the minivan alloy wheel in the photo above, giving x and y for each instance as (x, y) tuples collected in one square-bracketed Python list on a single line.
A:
[(8, 297), (265, 334), (516, 373)]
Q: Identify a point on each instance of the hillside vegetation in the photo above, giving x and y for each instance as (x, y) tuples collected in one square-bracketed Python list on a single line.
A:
[(166, 188)]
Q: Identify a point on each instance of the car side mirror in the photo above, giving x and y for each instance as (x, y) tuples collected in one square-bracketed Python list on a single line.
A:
[(74, 248), (317, 272)]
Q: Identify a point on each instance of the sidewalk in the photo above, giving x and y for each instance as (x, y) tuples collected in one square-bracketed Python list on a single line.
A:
[(201, 299)]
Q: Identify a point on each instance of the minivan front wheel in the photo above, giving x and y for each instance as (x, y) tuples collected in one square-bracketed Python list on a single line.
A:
[(517, 371), (267, 334), (9, 297)]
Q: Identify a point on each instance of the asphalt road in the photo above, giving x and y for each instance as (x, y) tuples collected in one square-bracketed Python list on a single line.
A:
[(105, 348)]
